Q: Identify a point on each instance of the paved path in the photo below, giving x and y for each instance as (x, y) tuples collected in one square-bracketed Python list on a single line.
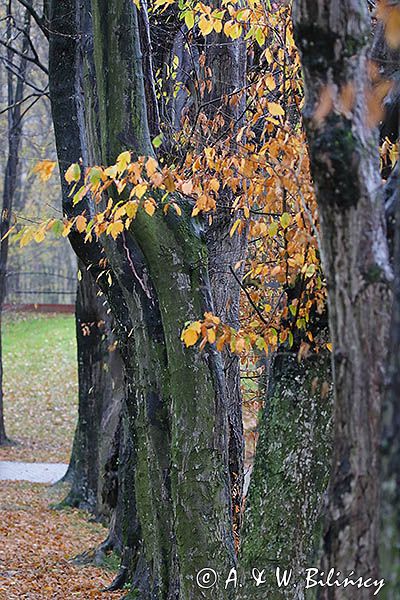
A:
[(34, 472)]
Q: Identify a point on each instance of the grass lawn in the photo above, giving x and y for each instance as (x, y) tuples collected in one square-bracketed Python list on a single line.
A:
[(40, 386)]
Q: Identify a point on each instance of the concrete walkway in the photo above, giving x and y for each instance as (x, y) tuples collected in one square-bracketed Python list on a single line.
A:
[(34, 472)]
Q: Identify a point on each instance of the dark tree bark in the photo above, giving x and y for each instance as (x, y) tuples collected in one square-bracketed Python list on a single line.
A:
[(333, 39), (226, 61), (15, 95), (387, 61), (176, 409), (101, 389), (390, 536)]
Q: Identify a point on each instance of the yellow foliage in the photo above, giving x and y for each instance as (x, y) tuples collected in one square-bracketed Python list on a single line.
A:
[(191, 334), (44, 169), (73, 173)]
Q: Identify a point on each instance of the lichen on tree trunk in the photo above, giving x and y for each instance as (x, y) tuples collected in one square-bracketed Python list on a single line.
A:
[(284, 506)]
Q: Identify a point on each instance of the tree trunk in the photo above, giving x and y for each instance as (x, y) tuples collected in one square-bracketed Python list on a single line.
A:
[(388, 64), (344, 158), (176, 408), (284, 506), (15, 95), (390, 535), (226, 65), (100, 377)]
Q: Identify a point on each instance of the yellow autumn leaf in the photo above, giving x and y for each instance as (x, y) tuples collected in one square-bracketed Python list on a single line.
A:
[(177, 208), (111, 172), (211, 336), (39, 235), (26, 237), (191, 334), (151, 166), (260, 36), (214, 184), (115, 228), (123, 161), (234, 227), (270, 82), (187, 187), (240, 345), (80, 223), (273, 229), (44, 169), (217, 24), (189, 19), (131, 209), (67, 228), (149, 207), (276, 109), (205, 25), (285, 220), (73, 173), (140, 189)]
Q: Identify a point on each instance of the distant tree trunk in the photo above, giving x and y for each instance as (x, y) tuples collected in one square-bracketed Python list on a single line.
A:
[(226, 62), (14, 97), (101, 389), (332, 40)]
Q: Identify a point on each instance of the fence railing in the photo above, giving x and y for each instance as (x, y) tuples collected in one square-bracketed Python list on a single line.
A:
[(40, 287)]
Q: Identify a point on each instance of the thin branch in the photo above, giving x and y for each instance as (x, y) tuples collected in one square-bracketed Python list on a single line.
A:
[(35, 16), (21, 102), (12, 68), (25, 57), (249, 298), (30, 106), (31, 44)]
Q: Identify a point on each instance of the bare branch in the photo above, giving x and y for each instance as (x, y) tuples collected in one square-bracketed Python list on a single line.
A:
[(39, 20), (25, 57), (11, 106), (14, 69)]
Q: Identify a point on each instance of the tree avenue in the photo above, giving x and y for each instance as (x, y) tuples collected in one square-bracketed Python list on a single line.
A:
[(233, 211)]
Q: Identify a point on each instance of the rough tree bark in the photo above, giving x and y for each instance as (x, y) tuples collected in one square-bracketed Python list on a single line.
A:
[(332, 38), (177, 414), (15, 95), (284, 506), (387, 61), (390, 536), (225, 70), (101, 389), (226, 62)]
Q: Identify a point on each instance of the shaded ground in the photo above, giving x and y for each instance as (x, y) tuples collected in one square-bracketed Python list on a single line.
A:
[(40, 386), (36, 544)]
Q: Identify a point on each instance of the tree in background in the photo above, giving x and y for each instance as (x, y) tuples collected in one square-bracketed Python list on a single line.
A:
[(16, 85), (99, 380)]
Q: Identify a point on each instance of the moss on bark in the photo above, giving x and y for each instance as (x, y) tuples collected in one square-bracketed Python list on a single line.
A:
[(283, 510)]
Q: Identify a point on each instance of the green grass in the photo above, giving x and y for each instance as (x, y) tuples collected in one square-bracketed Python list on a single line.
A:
[(40, 385)]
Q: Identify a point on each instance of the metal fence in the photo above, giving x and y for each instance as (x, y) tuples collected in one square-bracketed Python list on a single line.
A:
[(40, 287)]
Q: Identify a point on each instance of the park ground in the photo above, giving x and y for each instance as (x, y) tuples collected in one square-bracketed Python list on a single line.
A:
[(38, 542)]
